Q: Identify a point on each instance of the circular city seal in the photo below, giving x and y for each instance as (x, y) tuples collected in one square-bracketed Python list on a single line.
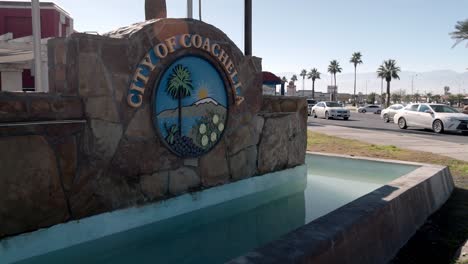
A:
[(190, 106)]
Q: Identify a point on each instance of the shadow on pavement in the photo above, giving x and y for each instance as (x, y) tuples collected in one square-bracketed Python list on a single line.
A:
[(443, 234)]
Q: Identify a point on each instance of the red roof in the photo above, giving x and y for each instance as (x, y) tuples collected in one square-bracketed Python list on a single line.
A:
[(270, 78)]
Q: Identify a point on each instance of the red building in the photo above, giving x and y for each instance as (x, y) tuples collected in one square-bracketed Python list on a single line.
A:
[(15, 32)]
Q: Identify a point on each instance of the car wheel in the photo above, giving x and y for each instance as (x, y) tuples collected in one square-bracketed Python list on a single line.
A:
[(327, 116), (386, 119), (402, 123), (345, 118), (438, 126), (378, 112), (363, 111), (314, 114), (465, 133)]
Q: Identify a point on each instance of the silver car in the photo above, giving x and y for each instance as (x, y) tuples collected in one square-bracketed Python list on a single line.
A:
[(390, 112), (376, 109), (329, 110)]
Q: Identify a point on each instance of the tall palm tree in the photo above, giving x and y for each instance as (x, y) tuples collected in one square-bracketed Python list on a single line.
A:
[(294, 78), (334, 68), (429, 97), (179, 86), (461, 32), (389, 71), (314, 74), (303, 75), (283, 81), (356, 59)]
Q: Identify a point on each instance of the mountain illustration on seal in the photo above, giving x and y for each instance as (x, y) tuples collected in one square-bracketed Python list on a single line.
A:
[(191, 107)]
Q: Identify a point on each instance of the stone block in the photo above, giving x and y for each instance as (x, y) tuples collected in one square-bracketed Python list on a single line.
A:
[(288, 106), (156, 185), (141, 125), (182, 180), (115, 56), (93, 76), (103, 108), (213, 167), (244, 164), (273, 148), (107, 136), (32, 196), (40, 107), (67, 152)]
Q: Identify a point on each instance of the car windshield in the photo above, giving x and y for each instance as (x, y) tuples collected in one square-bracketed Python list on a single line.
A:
[(444, 109), (310, 101), (333, 104)]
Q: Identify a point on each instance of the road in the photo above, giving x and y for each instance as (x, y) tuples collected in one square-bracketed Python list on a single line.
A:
[(373, 122)]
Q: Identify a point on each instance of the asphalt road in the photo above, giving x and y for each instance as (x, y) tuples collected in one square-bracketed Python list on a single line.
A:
[(373, 122)]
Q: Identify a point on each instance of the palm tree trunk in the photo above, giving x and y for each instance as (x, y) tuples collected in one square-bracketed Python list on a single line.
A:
[(303, 85), (388, 94), (313, 89), (180, 111), (335, 90), (354, 96)]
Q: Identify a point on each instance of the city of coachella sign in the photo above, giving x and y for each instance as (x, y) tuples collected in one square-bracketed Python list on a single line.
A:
[(170, 45), (191, 96)]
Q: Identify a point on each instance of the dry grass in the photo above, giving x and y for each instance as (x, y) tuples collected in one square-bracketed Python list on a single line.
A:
[(438, 240), (322, 143)]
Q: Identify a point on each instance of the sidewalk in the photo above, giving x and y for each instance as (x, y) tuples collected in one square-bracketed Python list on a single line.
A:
[(404, 141)]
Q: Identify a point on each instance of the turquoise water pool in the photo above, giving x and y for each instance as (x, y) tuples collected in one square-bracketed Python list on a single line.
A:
[(212, 226)]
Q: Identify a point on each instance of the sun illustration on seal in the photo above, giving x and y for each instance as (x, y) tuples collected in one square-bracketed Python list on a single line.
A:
[(203, 93)]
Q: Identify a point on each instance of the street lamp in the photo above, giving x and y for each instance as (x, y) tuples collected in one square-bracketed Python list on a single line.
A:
[(412, 83)]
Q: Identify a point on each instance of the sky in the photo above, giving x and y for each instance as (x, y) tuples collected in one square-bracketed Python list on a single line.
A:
[(296, 34)]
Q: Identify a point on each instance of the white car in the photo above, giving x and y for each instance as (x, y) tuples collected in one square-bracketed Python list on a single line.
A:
[(329, 110), (388, 113), (310, 104), (438, 117), (376, 109)]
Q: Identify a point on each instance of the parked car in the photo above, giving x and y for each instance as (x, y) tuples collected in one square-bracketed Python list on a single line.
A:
[(438, 117), (329, 110), (388, 113), (465, 109), (376, 109), (310, 104)]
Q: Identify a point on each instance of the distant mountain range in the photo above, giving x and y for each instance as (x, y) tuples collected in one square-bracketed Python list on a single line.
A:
[(198, 109), (424, 82)]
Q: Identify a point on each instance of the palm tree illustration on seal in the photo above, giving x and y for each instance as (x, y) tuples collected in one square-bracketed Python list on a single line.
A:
[(180, 86)]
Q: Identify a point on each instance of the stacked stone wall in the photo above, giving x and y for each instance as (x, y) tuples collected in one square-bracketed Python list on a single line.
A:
[(108, 155)]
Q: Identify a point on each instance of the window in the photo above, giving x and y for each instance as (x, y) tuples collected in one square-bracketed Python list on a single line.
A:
[(444, 109), (412, 107), (424, 108), (333, 104)]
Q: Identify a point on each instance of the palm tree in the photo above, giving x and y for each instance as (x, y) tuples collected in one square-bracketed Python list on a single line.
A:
[(396, 98), (283, 81), (371, 98), (407, 98), (389, 71), (416, 97), (334, 68), (461, 32), (429, 97), (356, 59), (179, 86), (294, 78), (303, 75), (437, 98), (314, 74), (460, 98)]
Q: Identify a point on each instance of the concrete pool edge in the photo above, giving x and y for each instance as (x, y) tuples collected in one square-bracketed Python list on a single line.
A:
[(28, 245), (371, 229)]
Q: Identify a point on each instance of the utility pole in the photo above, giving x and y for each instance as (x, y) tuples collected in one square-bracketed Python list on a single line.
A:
[(199, 9), (36, 25), (248, 27), (190, 9), (412, 83)]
